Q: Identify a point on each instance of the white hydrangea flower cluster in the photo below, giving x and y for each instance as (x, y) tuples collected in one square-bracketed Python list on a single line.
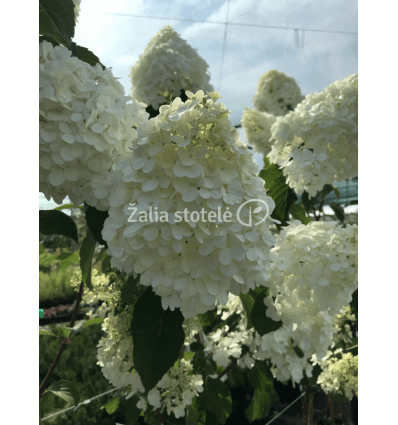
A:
[(86, 125), (191, 328), (317, 143), (339, 374), (167, 66), (342, 328), (277, 93), (223, 344), (176, 389), (313, 276), (257, 127), (189, 164), (77, 9), (102, 290)]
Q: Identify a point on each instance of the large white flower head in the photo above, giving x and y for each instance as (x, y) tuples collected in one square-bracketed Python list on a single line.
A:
[(167, 66), (312, 277), (190, 167), (277, 93), (321, 258), (317, 143), (257, 127), (86, 125), (339, 374), (77, 9)]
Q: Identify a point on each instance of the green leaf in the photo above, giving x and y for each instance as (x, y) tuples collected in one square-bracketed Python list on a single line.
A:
[(68, 259), (308, 203), (298, 212), (127, 292), (260, 378), (101, 255), (208, 318), (106, 264), (216, 398), (46, 331), (87, 56), (263, 324), (338, 211), (354, 303), (95, 321), (158, 337), (65, 331), (188, 355), (112, 405), (65, 390), (196, 347), (57, 20), (195, 416), (86, 258), (283, 196), (247, 302), (57, 223), (42, 249), (298, 351), (95, 221), (328, 188), (131, 411)]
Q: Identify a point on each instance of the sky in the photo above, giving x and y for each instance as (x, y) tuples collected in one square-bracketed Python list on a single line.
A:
[(250, 52)]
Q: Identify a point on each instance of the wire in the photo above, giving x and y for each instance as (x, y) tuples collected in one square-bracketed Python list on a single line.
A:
[(223, 46), (165, 18), (76, 407), (284, 410)]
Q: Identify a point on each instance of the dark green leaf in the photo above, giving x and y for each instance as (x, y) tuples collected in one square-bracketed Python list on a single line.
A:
[(260, 378), (131, 411), (216, 398), (101, 255), (208, 318), (127, 292), (308, 203), (196, 347), (57, 20), (298, 351), (106, 264), (247, 302), (87, 55), (68, 260), (86, 258), (339, 398), (328, 188), (278, 190), (57, 223), (263, 324), (338, 211), (354, 303), (65, 331), (95, 222), (95, 321), (297, 211), (158, 337)]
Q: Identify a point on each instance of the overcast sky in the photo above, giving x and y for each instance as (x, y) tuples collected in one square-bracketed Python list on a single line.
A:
[(250, 51)]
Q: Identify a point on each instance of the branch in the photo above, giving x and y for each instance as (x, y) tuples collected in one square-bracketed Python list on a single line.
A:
[(160, 416), (351, 348), (233, 364), (64, 344)]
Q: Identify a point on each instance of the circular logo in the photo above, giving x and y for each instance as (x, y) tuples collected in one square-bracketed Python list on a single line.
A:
[(255, 211)]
